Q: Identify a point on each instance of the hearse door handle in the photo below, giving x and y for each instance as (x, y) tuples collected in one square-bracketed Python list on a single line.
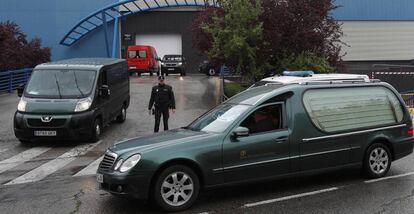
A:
[(281, 139)]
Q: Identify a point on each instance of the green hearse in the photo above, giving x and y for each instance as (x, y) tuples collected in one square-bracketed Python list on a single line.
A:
[(266, 132), (72, 99)]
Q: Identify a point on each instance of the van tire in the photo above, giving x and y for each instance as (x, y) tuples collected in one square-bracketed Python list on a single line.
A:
[(151, 74), (166, 73), (25, 142), (122, 115), (138, 73), (192, 182), (96, 130), (377, 160), (211, 72)]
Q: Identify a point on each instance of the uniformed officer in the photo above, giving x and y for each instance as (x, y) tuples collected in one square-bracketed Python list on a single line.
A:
[(162, 98)]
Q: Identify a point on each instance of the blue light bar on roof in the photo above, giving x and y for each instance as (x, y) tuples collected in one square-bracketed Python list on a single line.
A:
[(298, 73)]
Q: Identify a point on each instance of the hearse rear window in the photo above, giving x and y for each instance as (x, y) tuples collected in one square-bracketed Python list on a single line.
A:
[(333, 110)]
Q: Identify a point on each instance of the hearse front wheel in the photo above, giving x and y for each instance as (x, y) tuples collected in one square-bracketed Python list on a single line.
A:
[(176, 188), (377, 160)]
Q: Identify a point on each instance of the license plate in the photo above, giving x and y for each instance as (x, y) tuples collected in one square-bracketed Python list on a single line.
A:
[(45, 133), (99, 178), (171, 69), (132, 67)]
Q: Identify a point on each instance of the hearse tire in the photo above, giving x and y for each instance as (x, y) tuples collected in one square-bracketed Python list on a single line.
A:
[(176, 188), (377, 160)]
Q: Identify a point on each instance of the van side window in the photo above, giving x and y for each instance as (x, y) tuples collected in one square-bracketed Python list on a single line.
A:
[(333, 110), (264, 119), (116, 74)]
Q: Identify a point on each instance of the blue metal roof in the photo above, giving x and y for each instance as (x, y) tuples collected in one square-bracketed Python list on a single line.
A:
[(374, 10), (125, 8)]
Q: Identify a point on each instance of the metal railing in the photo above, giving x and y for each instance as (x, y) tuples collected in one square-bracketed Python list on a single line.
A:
[(10, 80)]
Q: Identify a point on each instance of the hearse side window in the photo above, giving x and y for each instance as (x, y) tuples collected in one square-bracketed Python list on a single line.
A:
[(333, 110), (264, 119)]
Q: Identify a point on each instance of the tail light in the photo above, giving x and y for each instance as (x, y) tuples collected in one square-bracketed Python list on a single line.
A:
[(410, 131)]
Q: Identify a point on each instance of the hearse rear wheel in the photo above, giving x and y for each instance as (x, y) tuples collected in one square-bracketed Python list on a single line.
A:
[(377, 160), (176, 188)]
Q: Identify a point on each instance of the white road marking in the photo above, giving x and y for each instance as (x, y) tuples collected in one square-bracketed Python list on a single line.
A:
[(21, 158), (52, 166), (90, 169), (389, 177), (289, 197)]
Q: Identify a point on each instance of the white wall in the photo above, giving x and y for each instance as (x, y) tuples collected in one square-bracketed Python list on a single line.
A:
[(378, 40)]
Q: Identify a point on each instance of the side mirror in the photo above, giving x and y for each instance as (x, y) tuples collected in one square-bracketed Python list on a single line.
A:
[(20, 90), (104, 91), (241, 132)]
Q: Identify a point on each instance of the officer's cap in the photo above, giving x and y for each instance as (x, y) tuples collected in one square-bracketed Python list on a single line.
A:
[(161, 77)]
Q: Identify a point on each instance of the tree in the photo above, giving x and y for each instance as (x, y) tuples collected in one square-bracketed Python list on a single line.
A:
[(236, 35), (16, 52), (289, 29)]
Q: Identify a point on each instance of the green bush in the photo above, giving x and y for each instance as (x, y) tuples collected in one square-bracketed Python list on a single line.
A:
[(232, 88)]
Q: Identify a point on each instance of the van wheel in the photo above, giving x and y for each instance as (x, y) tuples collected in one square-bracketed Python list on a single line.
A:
[(96, 130), (166, 73), (122, 115), (139, 73), (377, 160), (151, 74), (25, 142), (211, 72), (176, 188)]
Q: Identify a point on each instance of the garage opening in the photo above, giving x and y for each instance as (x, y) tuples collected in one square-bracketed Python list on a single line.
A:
[(165, 44)]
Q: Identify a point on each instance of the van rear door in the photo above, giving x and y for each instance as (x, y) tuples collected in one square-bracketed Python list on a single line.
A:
[(138, 59)]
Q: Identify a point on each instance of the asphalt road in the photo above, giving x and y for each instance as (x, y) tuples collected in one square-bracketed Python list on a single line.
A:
[(58, 177)]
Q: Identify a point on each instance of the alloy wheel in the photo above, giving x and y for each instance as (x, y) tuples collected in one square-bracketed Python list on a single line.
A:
[(378, 160), (177, 189)]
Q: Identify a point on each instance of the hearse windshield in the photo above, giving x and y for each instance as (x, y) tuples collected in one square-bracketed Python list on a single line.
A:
[(218, 119), (60, 84)]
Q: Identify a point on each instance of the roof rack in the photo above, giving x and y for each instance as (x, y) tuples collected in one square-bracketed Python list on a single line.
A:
[(319, 82)]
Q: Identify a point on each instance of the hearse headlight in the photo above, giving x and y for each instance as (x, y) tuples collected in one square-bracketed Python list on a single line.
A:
[(22, 105), (83, 105), (130, 162), (118, 164)]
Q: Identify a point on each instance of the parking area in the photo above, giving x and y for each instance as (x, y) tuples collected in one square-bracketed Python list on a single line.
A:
[(58, 177)]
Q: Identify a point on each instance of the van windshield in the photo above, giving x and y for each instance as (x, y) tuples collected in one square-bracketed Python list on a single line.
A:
[(61, 84)]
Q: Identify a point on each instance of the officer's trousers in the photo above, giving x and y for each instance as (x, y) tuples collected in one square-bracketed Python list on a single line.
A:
[(164, 111)]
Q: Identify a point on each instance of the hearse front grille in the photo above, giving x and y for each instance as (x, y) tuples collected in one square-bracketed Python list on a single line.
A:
[(108, 161)]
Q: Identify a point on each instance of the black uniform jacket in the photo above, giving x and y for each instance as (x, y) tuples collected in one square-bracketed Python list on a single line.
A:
[(162, 96)]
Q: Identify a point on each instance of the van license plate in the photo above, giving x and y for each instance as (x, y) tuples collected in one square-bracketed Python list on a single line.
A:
[(99, 178), (171, 69), (45, 133)]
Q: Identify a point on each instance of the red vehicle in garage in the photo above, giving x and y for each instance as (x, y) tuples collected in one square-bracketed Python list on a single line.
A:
[(142, 59)]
